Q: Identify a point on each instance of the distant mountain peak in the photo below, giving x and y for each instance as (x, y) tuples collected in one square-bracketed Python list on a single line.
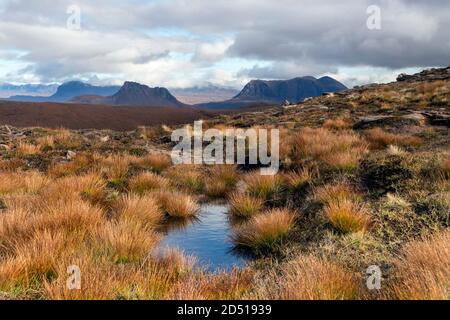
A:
[(134, 94), (259, 92)]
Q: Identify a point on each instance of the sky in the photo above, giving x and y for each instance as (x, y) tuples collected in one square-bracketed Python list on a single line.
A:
[(184, 43)]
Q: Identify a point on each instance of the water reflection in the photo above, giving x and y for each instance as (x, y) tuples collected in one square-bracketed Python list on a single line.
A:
[(207, 238)]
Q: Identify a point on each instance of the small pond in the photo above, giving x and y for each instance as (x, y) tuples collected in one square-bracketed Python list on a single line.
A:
[(207, 238)]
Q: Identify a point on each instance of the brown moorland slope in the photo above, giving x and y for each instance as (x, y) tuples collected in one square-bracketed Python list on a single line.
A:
[(74, 116)]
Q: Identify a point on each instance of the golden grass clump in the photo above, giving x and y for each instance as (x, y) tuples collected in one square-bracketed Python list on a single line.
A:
[(66, 139), (24, 149), (116, 167), (343, 208), (445, 167), (31, 262), (46, 142), (90, 186), (423, 270), (82, 162), (296, 180), (104, 280), (221, 180), (311, 278), (22, 182), (335, 193), (148, 181), (177, 204), (380, 139), (157, 162), (264, 187), (245, 206), (347, 216), (125, 241), (265, 230), (187, 177), (144, 209), (75, 218), (11, 165), (340, 150), (232, 285), (337, 124)]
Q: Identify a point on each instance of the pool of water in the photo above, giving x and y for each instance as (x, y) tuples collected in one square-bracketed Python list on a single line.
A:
[(207, 238)]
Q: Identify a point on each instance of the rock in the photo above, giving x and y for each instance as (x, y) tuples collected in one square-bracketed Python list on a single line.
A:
[(368, 122), (426, 75), (104, 139), (70, 155), (437, 118)]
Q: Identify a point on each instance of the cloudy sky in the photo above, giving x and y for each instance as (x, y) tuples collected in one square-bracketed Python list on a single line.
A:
[(180, 43)]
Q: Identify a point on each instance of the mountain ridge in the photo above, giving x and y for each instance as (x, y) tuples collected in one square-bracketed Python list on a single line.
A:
[(260, 92), (69, 90)]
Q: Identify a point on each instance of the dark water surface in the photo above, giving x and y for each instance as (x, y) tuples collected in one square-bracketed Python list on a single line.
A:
[(207, 238)]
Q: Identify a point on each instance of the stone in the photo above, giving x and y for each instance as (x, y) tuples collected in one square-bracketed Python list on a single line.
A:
[(70, 155)]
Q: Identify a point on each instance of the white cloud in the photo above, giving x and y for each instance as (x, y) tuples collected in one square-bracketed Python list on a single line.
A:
[(182, 43)]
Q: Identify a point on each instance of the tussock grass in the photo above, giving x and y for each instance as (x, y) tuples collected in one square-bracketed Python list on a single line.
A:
[(380, 139), (337, 192), (116, 167), (46, 142), (337, 124), (445, 167), (24, 149), (148, 181), (347, 216), (124, 241), (31, 182), (11, 165), (297, 180), (221, 180), (312, 278), (265, 230), (264, 187), (222, 286), (155, 162), (90, 186), (343, 208), (423, 270), (177, 204), (31, 262), (187, 177), (83, 162), (245, 206), (143, 209), (341, 150)]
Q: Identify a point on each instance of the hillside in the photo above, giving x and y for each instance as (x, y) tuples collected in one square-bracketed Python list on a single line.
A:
[(78, 116)]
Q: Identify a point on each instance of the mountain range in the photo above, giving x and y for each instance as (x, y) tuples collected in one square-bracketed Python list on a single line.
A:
[(256, 92), (69, 90), (8, 89)]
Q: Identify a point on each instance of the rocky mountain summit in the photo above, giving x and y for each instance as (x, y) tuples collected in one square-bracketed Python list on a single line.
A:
[(134, 94)]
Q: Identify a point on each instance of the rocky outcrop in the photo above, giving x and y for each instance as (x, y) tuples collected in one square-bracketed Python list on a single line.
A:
[(426, 75)]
